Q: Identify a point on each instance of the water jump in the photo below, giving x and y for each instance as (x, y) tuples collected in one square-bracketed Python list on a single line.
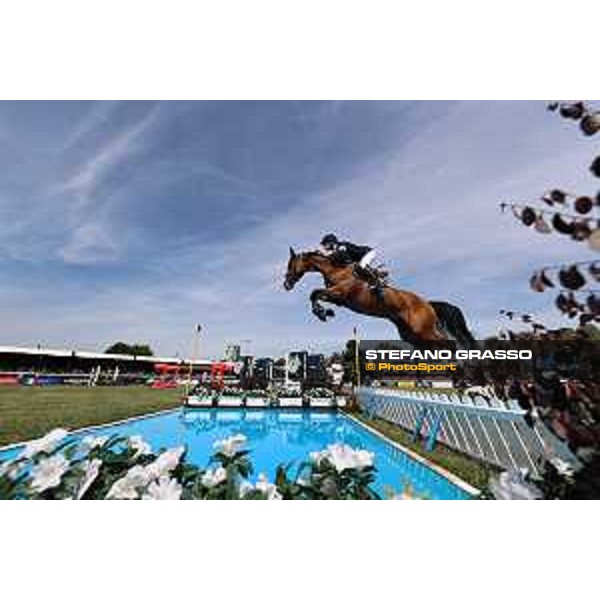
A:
[(353, 283)]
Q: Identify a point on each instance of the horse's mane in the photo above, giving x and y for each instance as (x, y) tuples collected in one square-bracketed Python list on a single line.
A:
[(316, 254), (321, 256)]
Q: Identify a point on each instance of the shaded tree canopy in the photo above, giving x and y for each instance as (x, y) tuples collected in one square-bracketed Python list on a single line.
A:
[(134, 349)]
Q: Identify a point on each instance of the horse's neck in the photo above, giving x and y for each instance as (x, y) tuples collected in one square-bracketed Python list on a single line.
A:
[(331, 273)]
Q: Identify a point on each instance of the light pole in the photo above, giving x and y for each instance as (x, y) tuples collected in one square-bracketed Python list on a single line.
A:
[(195, 349)]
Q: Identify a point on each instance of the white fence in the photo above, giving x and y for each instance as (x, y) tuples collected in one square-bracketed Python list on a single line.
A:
[(490, 430)]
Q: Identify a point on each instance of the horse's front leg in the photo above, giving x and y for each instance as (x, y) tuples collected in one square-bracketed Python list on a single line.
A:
[(318, 309)]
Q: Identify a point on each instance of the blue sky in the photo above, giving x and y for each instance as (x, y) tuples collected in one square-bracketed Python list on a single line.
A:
[(135, 220)]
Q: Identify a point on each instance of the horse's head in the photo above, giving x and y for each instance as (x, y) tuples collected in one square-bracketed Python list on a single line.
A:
[(297, 267)]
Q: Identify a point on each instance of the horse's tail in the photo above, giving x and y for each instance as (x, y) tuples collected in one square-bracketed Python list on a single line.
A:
[(452, 320)]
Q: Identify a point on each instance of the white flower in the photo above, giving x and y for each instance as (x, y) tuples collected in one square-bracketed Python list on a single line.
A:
[(138, 477), (317, 457), (163, 489), (137, 443), (166, 462), (511, 485), (89, 442), (269, 489), (10, 469), (245, 488), (92, 468), (563, 467), (212, 477), (230, 445), (44, 444), (48, 472), (263, 486), (342, 457), (126, 488)]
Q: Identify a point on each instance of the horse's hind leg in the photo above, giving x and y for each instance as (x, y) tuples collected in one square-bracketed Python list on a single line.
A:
[(405, 332), (424, 325), (420, 329)]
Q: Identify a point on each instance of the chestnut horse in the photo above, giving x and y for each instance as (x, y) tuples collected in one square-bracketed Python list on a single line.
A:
[(416, 319)]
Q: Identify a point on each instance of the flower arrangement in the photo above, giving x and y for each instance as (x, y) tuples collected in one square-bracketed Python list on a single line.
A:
[(289, 393), (257, 393), (232, 392), (203, 390), (57, 467), (320, 392)]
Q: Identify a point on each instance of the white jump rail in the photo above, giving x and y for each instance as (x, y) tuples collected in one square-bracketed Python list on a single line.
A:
[(322, 402), (198, 401), (490, 430), (256, 401), (230, 401)]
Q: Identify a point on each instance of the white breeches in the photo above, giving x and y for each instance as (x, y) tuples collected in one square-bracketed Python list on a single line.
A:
[(368, 258)]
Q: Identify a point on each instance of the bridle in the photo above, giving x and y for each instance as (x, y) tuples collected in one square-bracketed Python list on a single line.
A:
[(291, 279)]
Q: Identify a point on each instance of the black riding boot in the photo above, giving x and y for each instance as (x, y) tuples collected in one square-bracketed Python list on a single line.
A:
[(369, 275)]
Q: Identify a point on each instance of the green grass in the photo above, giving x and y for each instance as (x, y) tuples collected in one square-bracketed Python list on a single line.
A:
[(29, 412), (470, 470)]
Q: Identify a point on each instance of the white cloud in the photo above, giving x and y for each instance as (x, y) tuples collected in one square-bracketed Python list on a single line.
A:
[(89, 244), (84, 181)]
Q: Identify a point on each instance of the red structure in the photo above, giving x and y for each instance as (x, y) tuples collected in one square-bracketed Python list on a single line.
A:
[(218, 370), (167, 376)]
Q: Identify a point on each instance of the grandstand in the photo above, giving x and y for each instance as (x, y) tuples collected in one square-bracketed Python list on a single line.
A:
[(50, 365)]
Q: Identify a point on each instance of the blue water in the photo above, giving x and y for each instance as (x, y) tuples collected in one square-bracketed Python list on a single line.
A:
[(281, 436)]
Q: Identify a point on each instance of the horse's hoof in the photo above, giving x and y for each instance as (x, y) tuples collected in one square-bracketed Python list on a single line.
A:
[(329, 313), (320, 314)]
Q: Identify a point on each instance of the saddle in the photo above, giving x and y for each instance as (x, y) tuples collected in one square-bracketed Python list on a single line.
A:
[(375, 277)]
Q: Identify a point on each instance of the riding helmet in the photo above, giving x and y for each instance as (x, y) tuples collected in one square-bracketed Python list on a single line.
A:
[(328, 239)]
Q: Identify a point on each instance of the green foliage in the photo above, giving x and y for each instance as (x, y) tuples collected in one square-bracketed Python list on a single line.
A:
[(131, 349), (592, 331)]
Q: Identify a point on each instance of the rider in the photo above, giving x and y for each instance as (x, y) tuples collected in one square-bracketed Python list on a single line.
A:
[(361, 257)]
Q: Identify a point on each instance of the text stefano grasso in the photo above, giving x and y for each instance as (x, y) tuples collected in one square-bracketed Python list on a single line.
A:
[(498, 354)]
